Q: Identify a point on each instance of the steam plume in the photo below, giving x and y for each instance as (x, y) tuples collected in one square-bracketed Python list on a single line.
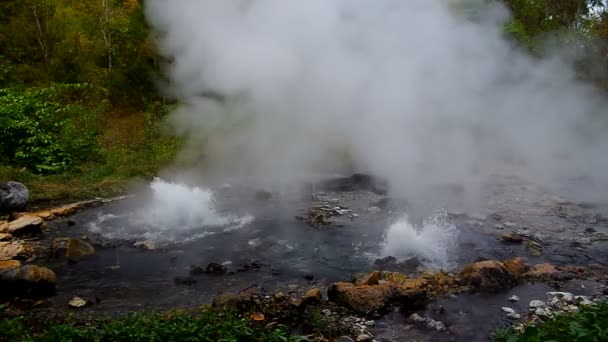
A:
[(410, 90)]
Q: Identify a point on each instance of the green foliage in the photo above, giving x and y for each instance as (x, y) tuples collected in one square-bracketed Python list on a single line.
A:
[(588, 325), (47, 130), (205, 326)]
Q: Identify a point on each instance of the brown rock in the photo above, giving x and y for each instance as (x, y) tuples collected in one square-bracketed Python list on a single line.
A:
[(26, 281), (511, 237), (25, 225), (367, 299), (395, 277), (371, 279), (239, 301), (45, 214), (6, 264), (65, 210), (493, 275), (3, 226), (16, 250), (542, 271), (312, 296), (5, 237), (78, 249), (70, 209)]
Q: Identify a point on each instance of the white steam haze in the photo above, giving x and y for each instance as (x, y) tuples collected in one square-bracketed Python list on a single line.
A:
[(406, 90)]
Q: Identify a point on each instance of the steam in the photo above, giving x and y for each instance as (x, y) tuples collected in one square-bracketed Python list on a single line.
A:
[(175, 212), (433, 243), (411, 91)]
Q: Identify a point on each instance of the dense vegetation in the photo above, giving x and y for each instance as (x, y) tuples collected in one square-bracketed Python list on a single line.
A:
[(80, 112), (588, 325), (178, 326)]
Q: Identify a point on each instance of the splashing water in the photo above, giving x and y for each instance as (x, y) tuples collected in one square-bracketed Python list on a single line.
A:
[(432, 243), (176, 212)]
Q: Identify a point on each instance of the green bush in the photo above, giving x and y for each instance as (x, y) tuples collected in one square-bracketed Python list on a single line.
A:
[(588, 325), (48, 130)]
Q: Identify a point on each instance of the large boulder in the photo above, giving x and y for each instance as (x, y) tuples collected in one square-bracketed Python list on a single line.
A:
[(78, 249), (493, 275), (366, 299), (13, 196), (28, 281)]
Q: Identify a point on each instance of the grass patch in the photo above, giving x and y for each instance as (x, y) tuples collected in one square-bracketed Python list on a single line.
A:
[(588, 325), (175, 326)]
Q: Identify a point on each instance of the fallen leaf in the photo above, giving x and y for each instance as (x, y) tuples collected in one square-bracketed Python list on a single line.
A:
[(77, 302), (258, 316)]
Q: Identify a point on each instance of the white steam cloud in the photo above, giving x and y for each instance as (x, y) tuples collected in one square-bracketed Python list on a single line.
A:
[(410, 91)]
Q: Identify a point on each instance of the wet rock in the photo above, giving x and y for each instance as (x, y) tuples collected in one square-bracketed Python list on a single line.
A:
[(312, 296), (17, 250), (371, 279), (59, 247), (241, 301), (363, 338), (536, 304), (534, 248), (417, 318), (366, 299), (309, 277), (561, 296), (5, 237), (215, 268), (513, 299), (493, 275), (391, 263), (511, 313), (28, 224), (26, 281), (252, 265), (13, 196), (184, 281), (433, 324), (145, 244), (6, 264), (513, 238), (78, 249), (196, 270), (3, 226), (542, 271)]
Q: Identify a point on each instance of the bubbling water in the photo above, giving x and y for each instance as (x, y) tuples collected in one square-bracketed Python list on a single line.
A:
[(175, 212), (432, 243)]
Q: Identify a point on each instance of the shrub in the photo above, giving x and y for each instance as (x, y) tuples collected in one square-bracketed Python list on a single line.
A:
[(48, 130), (590, 324)]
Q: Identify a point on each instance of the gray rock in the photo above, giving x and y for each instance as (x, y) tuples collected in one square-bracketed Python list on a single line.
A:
[(417, 318), (13, 196), (537, 304), (514, 299), (437, 325), (511, 313), (345, 339)]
